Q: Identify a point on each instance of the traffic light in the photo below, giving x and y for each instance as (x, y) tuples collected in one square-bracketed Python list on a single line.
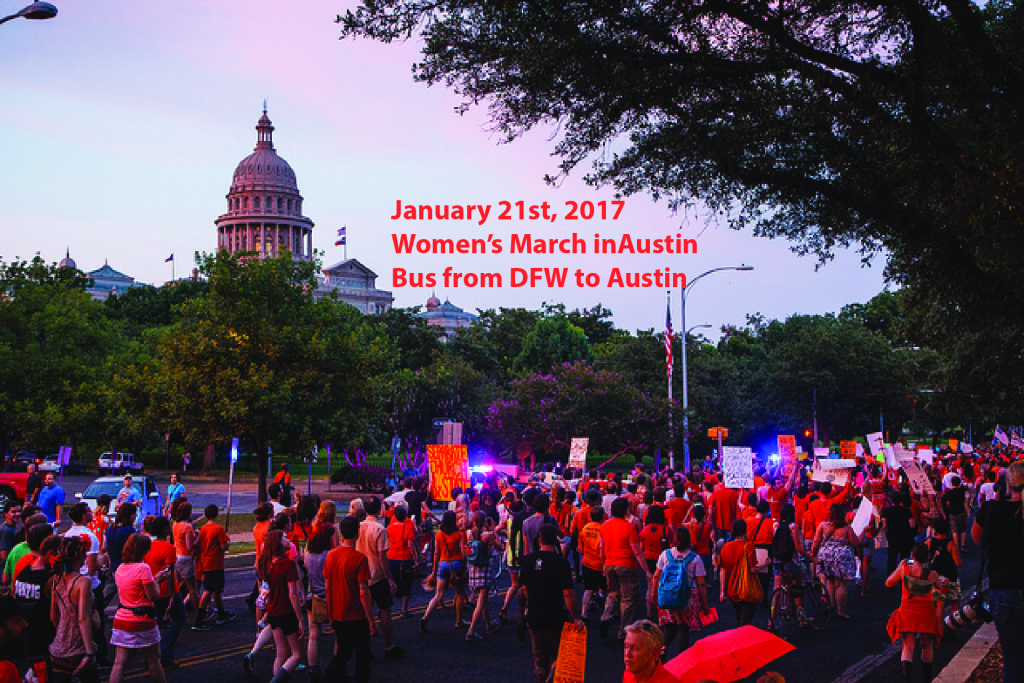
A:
[(808, 433)]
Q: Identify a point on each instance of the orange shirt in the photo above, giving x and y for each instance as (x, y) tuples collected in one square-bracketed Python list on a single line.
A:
[(766, 532), (212, 538), (700, 537), (345, 570), (579, 521), (451, 545), (561, 516), (181, 532), (732, 554), (675, 511), (776, 497), (724, 501), (590, 544), (619, 537), (259, 532), (653, 538), (160, 555), (399, 536)]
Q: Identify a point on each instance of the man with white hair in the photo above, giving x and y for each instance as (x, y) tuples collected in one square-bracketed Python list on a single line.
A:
[(642, 654)]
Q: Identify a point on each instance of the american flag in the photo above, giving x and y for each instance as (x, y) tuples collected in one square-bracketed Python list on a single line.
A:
[(341, 237), (1001, 437), (668, 337)]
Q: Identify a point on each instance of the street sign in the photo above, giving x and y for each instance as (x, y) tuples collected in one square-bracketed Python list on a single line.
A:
[(716, 432), (234, 450)]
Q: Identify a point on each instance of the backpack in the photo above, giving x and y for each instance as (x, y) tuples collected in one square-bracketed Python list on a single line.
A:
[(477, 555), (674, 584), (783, 548)]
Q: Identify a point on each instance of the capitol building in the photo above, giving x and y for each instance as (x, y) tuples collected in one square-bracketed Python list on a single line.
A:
[(264, 219)]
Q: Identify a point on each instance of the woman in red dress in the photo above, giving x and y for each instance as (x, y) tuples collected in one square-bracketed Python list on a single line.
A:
[(916, 615)]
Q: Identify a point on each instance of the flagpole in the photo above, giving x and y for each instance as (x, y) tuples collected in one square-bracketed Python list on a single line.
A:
[(671, 368)]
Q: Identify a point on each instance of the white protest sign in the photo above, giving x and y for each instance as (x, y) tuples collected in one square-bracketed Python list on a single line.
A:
[(578, 453), (737, 467), (821, 452), (837, 464), (863, 516), (860, 450), (926, 455), (902, 454), (966, 448), (834, 476), (890, 457), (876, 443), (919, 481)]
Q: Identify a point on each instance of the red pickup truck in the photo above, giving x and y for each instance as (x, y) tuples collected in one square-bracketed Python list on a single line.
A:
[(12, 487)]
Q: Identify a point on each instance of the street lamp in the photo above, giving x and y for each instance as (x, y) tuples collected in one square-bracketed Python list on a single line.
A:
[(37, 10), (686, 400)]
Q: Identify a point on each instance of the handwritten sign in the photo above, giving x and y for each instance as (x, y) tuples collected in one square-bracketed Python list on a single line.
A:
[(876, 443), (919, 481), (863, 516), (953, 443), (823, 471), (449, 468), (787, 453), (848, 449), (578, 453), (737, 467), (821, 452), (926, 455), (571, 665)]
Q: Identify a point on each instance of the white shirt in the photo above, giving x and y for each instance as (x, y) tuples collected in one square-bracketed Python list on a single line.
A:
[(372, 540), (947, 481), (93, 544), (278, 508), (987, 491)]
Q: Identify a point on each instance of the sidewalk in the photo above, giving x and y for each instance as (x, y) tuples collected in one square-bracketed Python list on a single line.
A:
[(961, 668)]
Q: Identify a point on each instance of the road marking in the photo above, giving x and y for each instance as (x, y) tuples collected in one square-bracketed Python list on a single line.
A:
[(865, 666)]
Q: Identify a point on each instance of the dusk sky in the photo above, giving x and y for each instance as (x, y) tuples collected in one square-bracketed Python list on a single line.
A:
[(121, 124)]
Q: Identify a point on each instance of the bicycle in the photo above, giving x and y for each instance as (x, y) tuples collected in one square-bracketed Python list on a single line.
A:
[(785, 615)]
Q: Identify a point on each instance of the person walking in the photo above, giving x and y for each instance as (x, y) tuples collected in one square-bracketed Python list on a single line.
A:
[(683, 572), (213, 544), (284, 603), (51, 499), (73, 650), (373, 542), (162, 555), (916, 616), (135, 627), (84, 528), (999, 530), (834, 550), (185, 545), (623, 554), (323, 539), (735, 552), (483, 543), (449, 568), (346, 582), (547, 583), (401, 555), (174, 491)]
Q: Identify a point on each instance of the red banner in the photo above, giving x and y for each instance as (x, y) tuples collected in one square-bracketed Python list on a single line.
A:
[(787, 453), (449, 468)]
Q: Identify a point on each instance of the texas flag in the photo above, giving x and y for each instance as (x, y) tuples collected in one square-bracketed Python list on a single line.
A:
[(169, 258), (341, 237)]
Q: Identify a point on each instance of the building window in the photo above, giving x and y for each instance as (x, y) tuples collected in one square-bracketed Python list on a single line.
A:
[(245, 203), (280, 203)]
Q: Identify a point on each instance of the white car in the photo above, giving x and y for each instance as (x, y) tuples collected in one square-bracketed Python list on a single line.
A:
[(120, 462), (151, 504)]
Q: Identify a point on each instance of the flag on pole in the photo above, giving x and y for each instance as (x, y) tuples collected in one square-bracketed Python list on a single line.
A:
[(668, 337), (1001, 437), (169, 258), (341, 237), (1015, 439)]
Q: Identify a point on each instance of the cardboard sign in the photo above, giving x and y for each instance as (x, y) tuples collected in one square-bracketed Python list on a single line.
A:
[(848, 449), (838, 464), (876, 443), (836, 477), (787, 453), (571, 665), (953, 443), (890, 457), (863, 516), (966, 447), (902, 454), (737, 467), (919, 481), (821, 452), (926, 455), (449, 468), (578, 453)]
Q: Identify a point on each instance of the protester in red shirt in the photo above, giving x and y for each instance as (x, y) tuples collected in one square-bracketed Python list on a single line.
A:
[(346, 582), (213, 543), (723, 510), (676, 509), (622, 555)]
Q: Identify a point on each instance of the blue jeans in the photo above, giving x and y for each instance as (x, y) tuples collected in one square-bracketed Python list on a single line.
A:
[(174, 609), (1008, 615)]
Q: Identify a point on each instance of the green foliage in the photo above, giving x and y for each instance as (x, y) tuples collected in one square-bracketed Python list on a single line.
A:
[(553, 340)]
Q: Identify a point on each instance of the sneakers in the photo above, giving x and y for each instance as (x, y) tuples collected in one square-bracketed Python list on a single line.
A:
[(461, 623), (423, 625), (225, 617), (395, 652), (473, 635), (201, 626), (247, 664), (494, 626)]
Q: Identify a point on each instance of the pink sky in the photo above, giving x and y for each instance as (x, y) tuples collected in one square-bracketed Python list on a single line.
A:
[(122, 122)]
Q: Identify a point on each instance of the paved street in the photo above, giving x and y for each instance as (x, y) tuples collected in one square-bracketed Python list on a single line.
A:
[(856, 650)]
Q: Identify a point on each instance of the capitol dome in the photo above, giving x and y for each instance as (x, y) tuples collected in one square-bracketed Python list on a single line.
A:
[(264, 205), (67, 261)]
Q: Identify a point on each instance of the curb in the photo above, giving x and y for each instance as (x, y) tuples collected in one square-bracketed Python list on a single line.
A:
[(970, 655)]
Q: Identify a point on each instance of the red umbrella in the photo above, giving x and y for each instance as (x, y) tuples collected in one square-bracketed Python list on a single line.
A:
[(728, 656)]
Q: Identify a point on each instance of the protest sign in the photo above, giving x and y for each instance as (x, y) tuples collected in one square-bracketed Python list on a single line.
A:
[(787, 453), (820, 452), (836, 477), (578, 453), (571, 664), (926, 455), (953, 443), (902, 454), (737, 467), (863, 516), (848, 449), (966, 447), (449, 468), (890, 457), (919, 481), (876, 443)]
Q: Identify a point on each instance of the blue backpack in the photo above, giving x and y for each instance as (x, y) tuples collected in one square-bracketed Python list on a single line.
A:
[(674, 584)]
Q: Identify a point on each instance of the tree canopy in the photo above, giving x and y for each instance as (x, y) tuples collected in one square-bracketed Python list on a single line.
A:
[(890, 127)]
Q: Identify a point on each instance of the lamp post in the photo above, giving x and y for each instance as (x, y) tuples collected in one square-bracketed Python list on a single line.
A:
[(686, 400), (37, 10)]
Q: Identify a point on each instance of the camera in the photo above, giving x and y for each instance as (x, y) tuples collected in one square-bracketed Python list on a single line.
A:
[(974, 608)]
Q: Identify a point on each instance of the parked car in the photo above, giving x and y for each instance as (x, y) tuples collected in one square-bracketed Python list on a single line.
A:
[(50, 465), (120, 462), (112, 485), (22, 459), (12, 487)]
